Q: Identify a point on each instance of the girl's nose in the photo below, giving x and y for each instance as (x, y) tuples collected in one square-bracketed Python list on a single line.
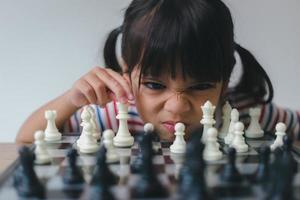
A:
[(177, 104)]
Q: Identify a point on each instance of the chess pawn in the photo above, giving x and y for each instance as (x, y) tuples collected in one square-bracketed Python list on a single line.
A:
[(280, 133), (254, 130), (51, 132), (88, 144), (178, 160), (238, 141), (123, 137), (111, 154), (179, 145), (211, 151), (149, 129), (234, 118), (95, 131), (226, 111), (208, 118), (41, 154)]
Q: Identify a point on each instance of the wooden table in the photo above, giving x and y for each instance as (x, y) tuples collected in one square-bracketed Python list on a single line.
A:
[(8, 154)]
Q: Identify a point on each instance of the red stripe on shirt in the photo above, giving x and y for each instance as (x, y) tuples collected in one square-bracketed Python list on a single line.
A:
[(108, 118), (70, 126)]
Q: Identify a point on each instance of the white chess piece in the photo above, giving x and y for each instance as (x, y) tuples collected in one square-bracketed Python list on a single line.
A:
[(179, 145), (88, 143), (234, 118), (207, 119), (211, 151), (51, 131), (254, 130), (226, 112), (280, 133), (86, 119), (111, 153), (123, 137), (96, 131), (238, 141), (178, 160), (41, 153)]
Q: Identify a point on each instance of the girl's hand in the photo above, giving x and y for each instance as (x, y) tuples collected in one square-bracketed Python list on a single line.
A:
[(100, 86)]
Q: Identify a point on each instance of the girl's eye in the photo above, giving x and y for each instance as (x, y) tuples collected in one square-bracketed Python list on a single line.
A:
[(202, 86), (154, 86)]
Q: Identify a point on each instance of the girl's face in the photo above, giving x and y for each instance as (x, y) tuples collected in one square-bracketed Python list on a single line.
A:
[(164, 101)]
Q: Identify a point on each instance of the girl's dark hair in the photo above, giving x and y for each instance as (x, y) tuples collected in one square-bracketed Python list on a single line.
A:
[(193, 37)]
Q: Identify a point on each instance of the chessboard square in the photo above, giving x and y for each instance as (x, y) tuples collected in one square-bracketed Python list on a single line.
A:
[(158, 160), (159, 169), (46, 171), (247, 168), (165, 151), (168, 159), (170, 169), (164, 179), (121, 192), (54, 153), (57, 161), (87, 160), (165, 144), (259, 143)]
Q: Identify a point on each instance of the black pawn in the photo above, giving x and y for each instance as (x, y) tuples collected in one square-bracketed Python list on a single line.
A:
[(230, 173), (192, 184), (102, 179), (102, 174), (137, 164), (287, 154), (72, 173), (263, 171), (148, 186), (25, 179)]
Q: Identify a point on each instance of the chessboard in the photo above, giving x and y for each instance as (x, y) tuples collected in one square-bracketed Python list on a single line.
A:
[(166, 164)]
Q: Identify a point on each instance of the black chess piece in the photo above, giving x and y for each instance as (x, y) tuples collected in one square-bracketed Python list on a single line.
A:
[(72, 174), (102, 174), (263, 171), (25, 179), (287, 154), (102, 179), (137, 164), (192, 184), (230, 173), (281, 177), (148, 186)]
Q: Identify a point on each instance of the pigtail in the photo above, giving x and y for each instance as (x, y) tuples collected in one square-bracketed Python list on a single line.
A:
[(255, 80), (110, 57)]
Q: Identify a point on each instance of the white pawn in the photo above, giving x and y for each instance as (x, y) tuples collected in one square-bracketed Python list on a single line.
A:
[(254, 130), (51, 131), (238, 141), (41, 154), (179, 145), (280, 133), (88, 143), (208, 118), (211, 151), (111, 154), (96, 131), (234, 118), (123, 137), (226, 111)]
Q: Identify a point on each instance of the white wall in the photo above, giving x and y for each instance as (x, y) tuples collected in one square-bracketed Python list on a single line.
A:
[(46, 45)]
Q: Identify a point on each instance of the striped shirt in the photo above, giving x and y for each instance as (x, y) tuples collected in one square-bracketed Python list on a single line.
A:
[(270, 116)]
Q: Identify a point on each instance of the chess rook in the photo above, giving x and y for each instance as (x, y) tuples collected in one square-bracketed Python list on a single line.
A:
[(51, 131), (123, 137)]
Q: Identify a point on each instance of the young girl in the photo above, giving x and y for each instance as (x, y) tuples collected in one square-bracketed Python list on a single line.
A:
[(176, 55)]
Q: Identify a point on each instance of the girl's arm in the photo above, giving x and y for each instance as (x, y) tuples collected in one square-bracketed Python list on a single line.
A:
[(98, 86), (36, 121)]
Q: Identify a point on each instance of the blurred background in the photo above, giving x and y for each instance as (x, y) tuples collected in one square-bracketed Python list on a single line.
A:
[(45, 46)]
